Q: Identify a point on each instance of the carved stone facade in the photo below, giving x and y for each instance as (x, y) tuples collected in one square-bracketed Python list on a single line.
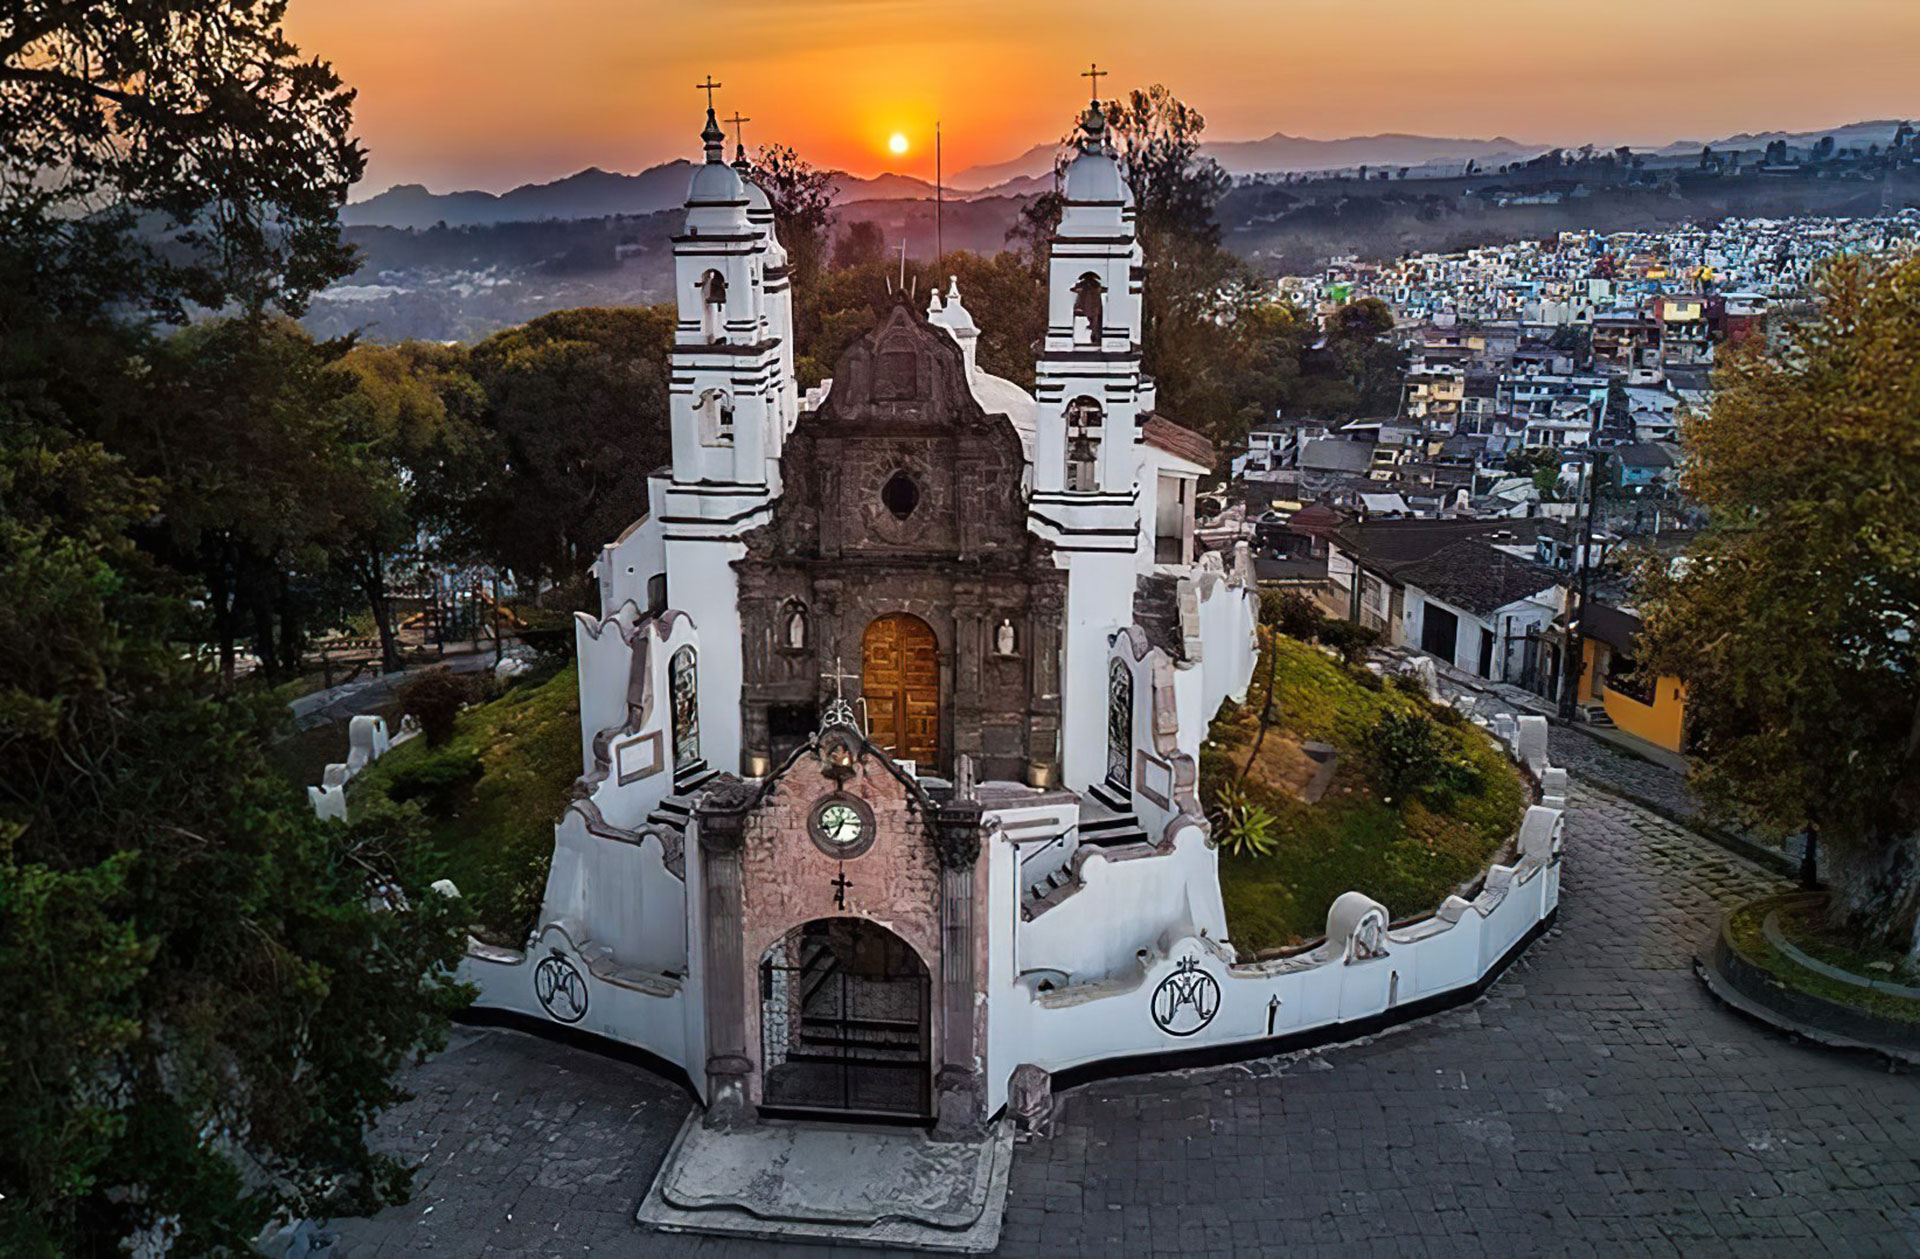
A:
[(903, 496), (769, 882)]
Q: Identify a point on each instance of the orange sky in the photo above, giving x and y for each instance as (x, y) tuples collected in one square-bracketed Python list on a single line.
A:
[(492, 93)]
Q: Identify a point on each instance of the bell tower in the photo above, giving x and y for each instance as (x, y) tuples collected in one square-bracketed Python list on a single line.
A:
[(1092, 403), (730, 402)]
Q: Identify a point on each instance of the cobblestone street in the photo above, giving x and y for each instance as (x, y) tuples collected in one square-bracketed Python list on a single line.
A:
[(1596, 1101)]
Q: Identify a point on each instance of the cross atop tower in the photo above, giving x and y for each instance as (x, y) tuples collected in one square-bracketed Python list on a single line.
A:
[(707, 87), (1094, 72), (735, 122)]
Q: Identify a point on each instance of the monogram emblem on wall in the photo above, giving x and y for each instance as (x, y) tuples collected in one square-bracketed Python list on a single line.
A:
[(561, 990), (1186, 1001)]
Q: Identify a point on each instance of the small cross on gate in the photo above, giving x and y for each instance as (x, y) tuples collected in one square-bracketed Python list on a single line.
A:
[(707, 87), (839, 677), (1094, 72), (840, 884)]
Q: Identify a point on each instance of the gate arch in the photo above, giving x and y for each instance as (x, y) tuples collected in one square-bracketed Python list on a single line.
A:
[(845, 1023)]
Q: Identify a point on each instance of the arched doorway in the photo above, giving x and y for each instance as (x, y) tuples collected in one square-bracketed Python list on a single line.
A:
[(844, 1023), (900, 678)]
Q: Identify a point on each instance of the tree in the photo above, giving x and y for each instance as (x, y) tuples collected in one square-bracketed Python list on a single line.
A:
[(576, 420), (203, 990), (1796, 618), (158, 152), (411, 424), (802, 198), (245, 438), (860, 245)]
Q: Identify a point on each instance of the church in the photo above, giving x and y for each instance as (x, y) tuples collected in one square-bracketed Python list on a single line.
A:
[(892, 710)]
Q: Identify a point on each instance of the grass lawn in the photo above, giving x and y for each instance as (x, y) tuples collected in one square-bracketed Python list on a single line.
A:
[(1407, 855), (491, 795), (1807, 929)]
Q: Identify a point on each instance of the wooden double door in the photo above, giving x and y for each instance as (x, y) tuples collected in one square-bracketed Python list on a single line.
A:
[(900, 678)]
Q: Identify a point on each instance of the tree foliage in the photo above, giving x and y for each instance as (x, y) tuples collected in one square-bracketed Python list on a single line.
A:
[(576, 420), (1795, 620), (802, 197), (169, 151)]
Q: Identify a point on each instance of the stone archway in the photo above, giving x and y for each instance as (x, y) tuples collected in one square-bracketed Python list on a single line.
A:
[(900, 679), (845, 1023)]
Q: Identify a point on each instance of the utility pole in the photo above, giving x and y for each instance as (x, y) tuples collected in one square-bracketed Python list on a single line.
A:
[(939, 205), (1576, 664)]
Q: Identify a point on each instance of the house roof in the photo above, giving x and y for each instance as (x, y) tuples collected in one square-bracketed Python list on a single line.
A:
[(1644, 455), (1388, 546), (1336, 454), (1182, 443), (1475, 575), (1611, 626)]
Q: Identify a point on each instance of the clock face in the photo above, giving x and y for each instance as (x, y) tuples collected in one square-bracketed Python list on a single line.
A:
[(841, 825)]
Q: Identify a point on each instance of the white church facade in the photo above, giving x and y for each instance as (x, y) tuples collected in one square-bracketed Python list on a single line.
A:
[(892, 711)]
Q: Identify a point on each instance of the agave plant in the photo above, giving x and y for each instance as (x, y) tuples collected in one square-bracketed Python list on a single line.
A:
[(1243, 826)]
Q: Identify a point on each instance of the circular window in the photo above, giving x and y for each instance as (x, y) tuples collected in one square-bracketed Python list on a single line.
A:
[(841, 825), (900, 495)]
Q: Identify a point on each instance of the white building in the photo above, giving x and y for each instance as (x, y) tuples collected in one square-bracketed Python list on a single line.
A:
[(892, 712)]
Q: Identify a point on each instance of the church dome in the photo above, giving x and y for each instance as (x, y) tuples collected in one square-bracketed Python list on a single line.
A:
[(1094, 177), (716, 183)]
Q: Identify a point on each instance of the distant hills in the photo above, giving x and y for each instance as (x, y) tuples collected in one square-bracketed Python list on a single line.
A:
[(591, 194), (595, 193)]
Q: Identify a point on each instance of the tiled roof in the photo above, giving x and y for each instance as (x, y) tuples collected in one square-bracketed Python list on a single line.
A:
[(1477, 576), (1183, 443)]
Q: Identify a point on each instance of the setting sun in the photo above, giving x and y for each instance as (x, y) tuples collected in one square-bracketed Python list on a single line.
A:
[(897, 143)]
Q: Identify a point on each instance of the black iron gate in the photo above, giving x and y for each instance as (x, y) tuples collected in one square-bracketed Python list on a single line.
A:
[(844, 1024)]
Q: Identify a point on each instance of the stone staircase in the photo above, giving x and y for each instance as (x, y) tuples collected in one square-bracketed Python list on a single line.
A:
[(676, 809), (1107, 820), (1596, 715)]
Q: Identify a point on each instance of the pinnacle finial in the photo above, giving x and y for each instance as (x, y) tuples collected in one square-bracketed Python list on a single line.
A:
[(711, 135)]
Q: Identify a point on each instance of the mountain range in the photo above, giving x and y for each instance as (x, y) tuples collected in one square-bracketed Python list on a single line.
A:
[(595, 193)]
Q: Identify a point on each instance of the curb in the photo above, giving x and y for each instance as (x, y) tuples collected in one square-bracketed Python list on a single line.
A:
[(1749, 989)]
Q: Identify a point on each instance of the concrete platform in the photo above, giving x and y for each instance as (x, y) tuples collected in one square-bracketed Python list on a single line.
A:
[(833, 1183)]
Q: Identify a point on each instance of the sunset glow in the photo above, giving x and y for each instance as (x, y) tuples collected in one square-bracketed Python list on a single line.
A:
[(487, 94), (896, 143)]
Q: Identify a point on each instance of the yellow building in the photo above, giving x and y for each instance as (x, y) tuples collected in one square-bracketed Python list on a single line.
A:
[(1651, 709)]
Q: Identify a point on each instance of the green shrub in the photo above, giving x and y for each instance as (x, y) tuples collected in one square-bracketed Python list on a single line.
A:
[(434, 699), (1350, 638), (1405, 752), (1293, 614), (1411, 685), (431, 776)]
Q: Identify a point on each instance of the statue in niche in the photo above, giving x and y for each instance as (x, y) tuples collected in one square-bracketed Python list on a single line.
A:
[(1003, 638), (796, 627)]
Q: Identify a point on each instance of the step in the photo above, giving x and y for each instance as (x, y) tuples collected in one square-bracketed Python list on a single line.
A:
[(1114, 799)]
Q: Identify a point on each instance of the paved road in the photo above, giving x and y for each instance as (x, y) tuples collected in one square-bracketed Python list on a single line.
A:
[(1596, 1101)]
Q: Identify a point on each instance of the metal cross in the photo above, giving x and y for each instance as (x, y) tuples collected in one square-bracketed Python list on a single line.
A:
[(840, 885), (839, 678), (707, 87), (1094, 72), (735, 122)]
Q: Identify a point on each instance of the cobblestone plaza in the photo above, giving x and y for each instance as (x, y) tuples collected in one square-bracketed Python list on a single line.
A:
[(1596, 1101)]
